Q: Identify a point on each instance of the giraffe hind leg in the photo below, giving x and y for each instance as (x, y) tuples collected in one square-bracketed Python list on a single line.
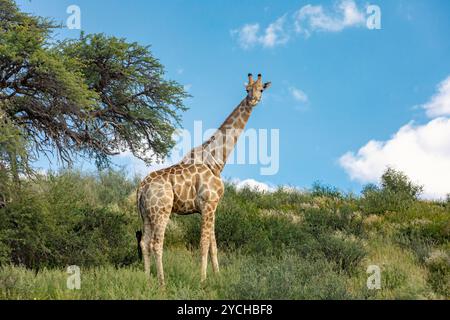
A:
[(157, 243), (146, 249), (208, 220)]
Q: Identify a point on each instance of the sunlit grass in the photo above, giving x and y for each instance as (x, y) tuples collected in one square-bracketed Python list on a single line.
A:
[(281, 245)]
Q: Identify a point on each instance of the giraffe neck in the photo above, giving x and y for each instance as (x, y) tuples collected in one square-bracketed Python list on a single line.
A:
[(215, 151)]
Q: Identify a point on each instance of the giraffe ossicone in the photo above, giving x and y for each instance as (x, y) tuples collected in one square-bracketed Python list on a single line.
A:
[(192, 186)]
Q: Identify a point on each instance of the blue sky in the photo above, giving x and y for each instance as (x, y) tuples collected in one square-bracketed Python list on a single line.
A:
[(347, 100)]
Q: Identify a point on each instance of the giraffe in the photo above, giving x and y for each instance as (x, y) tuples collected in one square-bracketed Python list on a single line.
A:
[(192, 186)]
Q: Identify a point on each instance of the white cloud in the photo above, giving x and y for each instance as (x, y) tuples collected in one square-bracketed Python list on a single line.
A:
[(253, 185), (307, 19), (314, 18), (187, 87), (249, 35), (136, 166), (422, 152), (440, 102), (275, 34), (298, 94)]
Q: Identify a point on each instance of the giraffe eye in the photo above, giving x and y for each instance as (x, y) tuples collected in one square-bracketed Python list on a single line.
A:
[(261, 90)]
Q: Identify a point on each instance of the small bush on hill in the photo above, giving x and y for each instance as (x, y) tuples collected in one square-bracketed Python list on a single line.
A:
[(397, 193)]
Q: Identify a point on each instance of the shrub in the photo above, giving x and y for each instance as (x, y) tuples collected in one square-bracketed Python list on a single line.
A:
[(287, 277), (327, 220), (393, 278), (432, 232), (322, 190), (282, 244), (438, 264), (399, 184), (346, 253), (397, 193), (61, 219)]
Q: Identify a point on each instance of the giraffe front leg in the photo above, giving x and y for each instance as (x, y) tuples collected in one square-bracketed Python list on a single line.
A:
[(208, 213)]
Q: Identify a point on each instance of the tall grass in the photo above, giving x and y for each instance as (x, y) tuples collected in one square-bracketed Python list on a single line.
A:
[(286, 244)]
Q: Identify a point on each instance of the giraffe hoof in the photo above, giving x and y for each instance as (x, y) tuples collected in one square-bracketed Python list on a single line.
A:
[(203, 284)]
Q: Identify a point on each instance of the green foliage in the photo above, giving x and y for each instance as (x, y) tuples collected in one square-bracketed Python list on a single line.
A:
[(288, 277), (322, 190), (397, 193), (67, 219), (136, 105), (95, 96), (439, 272), (398, 183), (14, 158), (244, 226), (326, 220), (393, 278), (282, 245), (100, 95)]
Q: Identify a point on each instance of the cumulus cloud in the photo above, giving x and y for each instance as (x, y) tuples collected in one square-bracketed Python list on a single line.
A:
[(249, 35), (275, 34), (439, 105), (306, 20), (298, 94), (420, 151), (136, 166), (315, 18), (253, 185)]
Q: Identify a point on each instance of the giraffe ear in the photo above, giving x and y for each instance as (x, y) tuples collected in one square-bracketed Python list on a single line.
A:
[(267, 85), (250, 78)]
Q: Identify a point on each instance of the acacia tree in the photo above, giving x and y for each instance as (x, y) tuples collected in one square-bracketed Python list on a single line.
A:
[(94, 96)]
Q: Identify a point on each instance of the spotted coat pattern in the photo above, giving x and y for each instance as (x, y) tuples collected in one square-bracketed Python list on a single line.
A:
[(192, 186)]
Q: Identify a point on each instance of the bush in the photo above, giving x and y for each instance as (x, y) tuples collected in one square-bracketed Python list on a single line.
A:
[(63, 219), (438, 264), (287, 277), (322, 190), (282, 244), (346, 253), (327, 220), (397, 193)]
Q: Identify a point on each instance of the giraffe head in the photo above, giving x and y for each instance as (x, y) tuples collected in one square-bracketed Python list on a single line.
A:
[(255, 89)]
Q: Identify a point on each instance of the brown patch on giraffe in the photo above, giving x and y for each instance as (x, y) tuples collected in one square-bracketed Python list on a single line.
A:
[(194, 185)]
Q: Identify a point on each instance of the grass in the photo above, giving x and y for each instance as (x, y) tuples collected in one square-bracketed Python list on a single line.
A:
[(241, 277), (302, 274), (283, 245)]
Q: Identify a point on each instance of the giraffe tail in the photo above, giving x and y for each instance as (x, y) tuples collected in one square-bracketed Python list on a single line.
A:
[(138, 238), (139, 232)]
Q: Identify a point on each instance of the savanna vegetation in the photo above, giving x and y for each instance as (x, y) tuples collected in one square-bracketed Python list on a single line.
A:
[(96, 96), (287, 244)]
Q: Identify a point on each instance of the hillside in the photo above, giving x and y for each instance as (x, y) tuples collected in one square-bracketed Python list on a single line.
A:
[(314, 244)]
